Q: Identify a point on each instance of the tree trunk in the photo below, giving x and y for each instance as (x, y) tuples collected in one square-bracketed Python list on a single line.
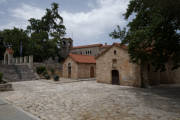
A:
[(144, 76)]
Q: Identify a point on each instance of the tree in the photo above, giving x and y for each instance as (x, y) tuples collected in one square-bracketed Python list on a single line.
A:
[(2, 48), (153, 36), (15, 38), (46, 34)]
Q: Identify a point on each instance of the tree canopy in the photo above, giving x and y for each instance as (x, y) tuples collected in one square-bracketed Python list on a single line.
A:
[(46, 34), (153, 36), (14, 38)]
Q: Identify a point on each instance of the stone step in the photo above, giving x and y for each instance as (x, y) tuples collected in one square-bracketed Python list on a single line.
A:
[(14, 73)]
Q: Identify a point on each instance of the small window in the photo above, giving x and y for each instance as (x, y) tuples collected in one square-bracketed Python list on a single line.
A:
[(115, 52)]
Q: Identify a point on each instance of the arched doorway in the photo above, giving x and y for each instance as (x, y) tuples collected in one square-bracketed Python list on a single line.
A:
[(115, 77), (69, 70), (92, 72), (6, 59)]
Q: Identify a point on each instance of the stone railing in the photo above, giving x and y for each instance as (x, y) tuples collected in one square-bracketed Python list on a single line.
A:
[(26, 60)]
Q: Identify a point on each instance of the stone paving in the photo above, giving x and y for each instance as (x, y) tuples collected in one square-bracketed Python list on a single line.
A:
[(88, 100)]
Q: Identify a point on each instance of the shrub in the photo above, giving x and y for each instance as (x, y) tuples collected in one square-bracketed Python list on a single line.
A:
[(52, 71), (47, 76), (1, 77), (41, 69), (56, 78)]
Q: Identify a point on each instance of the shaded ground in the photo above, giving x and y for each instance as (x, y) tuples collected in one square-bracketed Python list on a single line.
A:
[(89, 100)]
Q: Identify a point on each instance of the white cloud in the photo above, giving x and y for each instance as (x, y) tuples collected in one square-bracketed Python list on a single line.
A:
[(19, 24), (26, 12), (2, 12), (87, 27), (21, 15), (2, 1), (90, 26)]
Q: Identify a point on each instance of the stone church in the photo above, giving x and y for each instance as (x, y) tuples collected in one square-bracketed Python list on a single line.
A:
[(113, 66), (79, 66)]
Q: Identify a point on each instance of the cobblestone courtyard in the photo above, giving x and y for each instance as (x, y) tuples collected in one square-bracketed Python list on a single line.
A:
[(88, 100)]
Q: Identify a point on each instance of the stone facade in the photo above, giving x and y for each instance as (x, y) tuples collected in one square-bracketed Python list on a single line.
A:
[(92, 50), (76, 70), (86, 67), (116, 59)]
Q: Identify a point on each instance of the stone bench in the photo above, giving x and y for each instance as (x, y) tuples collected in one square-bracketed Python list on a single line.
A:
[(6, 87)]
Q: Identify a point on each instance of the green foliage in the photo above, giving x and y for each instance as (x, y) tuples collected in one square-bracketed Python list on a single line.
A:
[(118, 33), (14, 37), (46, 34), (154, 34), (56, 78), (41, 39), (52, 71), (41, 70), (2, 47)]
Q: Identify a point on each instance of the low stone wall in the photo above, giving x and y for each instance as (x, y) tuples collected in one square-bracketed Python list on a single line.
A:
[(56, 66), (6, 87)]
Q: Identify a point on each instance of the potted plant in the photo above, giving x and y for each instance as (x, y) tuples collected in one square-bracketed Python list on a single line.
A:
[(56, 77)]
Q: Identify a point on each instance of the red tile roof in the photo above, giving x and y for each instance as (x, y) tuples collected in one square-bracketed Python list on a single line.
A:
[(88, 46), (10, 50), (82, 58)]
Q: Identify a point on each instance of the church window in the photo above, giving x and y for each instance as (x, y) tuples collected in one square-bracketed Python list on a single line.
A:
[(115, 52)]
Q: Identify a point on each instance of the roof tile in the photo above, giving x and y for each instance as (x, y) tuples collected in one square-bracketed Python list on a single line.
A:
[(82, 58)]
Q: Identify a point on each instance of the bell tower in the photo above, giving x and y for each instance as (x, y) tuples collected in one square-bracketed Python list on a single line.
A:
[(67, 44)]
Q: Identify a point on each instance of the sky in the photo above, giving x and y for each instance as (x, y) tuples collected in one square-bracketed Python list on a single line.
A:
[(86, 21)]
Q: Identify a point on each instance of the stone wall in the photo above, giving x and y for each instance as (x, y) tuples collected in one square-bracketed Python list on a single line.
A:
[(56, 66), (166, 77), (177, 76), (6, 87), (74, 68), (84, 70), (129, 74)]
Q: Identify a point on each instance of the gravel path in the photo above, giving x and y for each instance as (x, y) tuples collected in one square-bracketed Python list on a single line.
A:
[(88, 100)]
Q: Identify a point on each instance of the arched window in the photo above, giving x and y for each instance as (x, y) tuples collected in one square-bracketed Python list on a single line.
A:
[(115, 52), (69, 70)]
